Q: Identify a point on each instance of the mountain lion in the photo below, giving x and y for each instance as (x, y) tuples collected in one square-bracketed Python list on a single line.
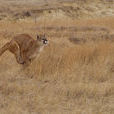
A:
[(24, 47)]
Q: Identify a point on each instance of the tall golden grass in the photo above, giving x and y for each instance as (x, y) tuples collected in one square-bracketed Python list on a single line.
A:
[(58, 60)]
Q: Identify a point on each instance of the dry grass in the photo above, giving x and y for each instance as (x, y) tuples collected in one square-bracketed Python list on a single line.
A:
[(68, 77)]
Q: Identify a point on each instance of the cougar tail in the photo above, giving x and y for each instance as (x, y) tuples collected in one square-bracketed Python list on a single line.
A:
[(4, 48)]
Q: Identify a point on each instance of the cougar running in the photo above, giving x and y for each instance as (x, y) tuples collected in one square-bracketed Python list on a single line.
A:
[(24, 47)]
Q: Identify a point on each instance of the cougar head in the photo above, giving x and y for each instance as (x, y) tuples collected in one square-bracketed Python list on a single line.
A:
[(38, 46), (42, 39)]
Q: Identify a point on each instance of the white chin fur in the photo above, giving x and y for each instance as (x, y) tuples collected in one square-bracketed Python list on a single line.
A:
[(41, 48), (46, 42)]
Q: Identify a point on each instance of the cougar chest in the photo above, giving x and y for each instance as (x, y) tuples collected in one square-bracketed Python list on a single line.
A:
[(36, 53)]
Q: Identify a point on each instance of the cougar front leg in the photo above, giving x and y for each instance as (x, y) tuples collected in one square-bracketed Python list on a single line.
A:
[(15, 49), (19, 59), (18, 56)]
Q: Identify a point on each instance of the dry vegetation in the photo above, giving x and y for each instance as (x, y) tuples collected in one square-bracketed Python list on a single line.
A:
[(73, 75), (13, 9)]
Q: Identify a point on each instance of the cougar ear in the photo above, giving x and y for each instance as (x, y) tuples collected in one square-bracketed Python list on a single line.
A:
[(38, 37)]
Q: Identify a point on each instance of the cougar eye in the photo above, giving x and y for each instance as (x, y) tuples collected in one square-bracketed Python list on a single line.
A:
[(45, 41)]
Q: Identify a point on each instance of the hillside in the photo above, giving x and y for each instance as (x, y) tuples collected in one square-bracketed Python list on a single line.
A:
[(70, 8)]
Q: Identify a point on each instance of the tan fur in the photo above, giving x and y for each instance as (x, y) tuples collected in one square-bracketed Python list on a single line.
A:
[(24, 47)]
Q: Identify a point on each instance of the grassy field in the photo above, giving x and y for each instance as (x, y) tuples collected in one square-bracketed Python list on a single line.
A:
[(73, 75)]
